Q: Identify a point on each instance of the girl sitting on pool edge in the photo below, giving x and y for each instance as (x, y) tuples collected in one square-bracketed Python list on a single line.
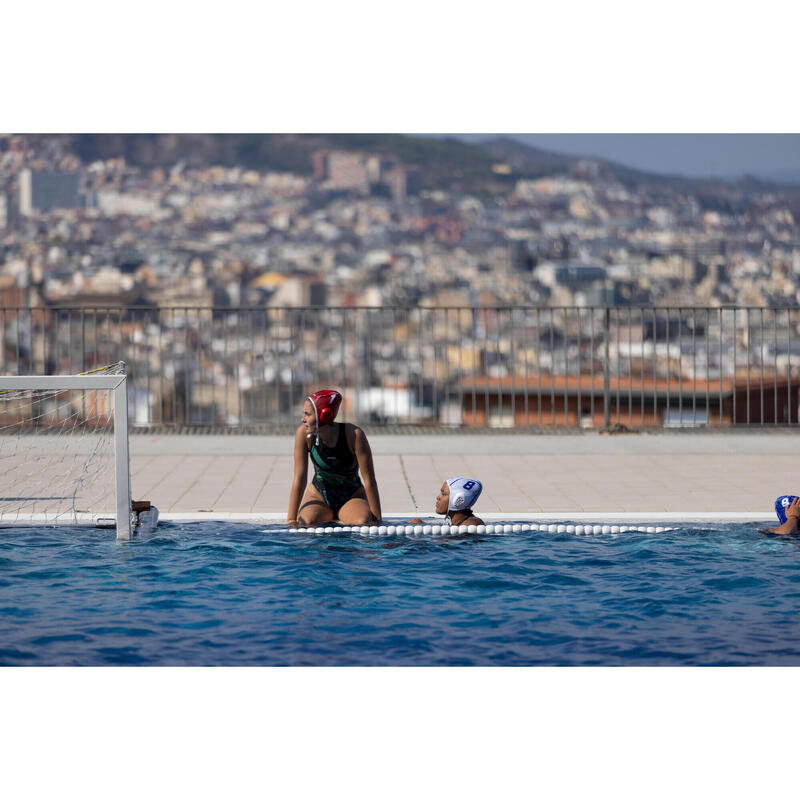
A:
[(338, 451), (455, 500)]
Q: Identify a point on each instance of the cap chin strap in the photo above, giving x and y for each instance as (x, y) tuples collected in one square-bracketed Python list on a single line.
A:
[(316, 420)]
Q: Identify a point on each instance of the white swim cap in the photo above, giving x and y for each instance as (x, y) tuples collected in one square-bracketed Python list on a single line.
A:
[(464, 492)]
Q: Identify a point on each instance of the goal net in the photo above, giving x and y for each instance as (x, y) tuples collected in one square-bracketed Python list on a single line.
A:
[(64, 450)]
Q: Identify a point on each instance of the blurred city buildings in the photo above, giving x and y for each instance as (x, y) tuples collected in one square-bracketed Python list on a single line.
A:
[(171, 256)]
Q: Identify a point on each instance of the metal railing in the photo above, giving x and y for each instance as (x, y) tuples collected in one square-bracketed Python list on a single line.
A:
[(433, 366)]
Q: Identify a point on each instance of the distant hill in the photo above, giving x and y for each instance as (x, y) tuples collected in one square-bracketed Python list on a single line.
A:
[(531, 160), (446, 163), (729, 196), (524, 158)]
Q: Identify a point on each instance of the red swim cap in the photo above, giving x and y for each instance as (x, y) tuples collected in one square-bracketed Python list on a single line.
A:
[(326, 404)]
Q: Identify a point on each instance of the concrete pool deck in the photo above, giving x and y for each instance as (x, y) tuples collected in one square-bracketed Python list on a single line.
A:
[(665, 475)]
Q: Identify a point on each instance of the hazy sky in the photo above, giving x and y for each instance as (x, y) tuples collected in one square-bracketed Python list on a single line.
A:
[(694, 154)]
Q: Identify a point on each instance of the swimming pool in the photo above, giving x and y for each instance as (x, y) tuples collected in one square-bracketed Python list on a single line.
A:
[(235, 594)]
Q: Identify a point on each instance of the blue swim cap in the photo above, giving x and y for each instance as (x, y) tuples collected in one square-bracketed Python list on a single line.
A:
[(781, 504)]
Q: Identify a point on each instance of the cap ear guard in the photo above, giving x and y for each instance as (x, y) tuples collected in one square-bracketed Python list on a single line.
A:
[(326, 416)]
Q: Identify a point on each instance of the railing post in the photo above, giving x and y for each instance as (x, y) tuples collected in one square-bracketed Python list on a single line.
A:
[(606, 367)]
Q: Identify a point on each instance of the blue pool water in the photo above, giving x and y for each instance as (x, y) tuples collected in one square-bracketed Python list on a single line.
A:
[(231, 594)]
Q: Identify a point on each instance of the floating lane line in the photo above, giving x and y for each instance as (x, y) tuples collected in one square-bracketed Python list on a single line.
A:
[(460, 530)]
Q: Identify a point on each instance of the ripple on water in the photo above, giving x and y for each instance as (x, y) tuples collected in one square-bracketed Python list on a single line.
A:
[(120, 630), (55, 638), (14, 655), (44, 574), (491, 584), (734, 582), (129, 656), (22, 612), (562, 579)]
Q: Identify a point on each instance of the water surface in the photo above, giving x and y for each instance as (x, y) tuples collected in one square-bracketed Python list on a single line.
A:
[(234, 594)]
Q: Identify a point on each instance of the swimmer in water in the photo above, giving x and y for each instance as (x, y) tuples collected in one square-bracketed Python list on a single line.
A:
[(338, 450), (787, 507), (455, 499)]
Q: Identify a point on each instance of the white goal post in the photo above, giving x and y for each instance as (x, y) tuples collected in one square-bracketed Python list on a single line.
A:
[(45, 405)]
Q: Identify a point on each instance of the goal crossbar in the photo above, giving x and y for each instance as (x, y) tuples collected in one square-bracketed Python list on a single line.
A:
[(118, 385)]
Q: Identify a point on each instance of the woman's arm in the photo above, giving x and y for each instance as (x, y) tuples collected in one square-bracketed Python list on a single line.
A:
[(300, 475), (792, 515), (364, 456)]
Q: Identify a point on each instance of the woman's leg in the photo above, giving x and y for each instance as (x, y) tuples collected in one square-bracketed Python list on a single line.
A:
[(313, 509), (356, 510)]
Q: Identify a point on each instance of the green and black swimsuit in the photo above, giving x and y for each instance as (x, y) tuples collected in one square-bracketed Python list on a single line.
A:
[(335, 470)]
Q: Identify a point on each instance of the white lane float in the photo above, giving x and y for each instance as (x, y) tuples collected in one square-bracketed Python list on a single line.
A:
[(461, 530)]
